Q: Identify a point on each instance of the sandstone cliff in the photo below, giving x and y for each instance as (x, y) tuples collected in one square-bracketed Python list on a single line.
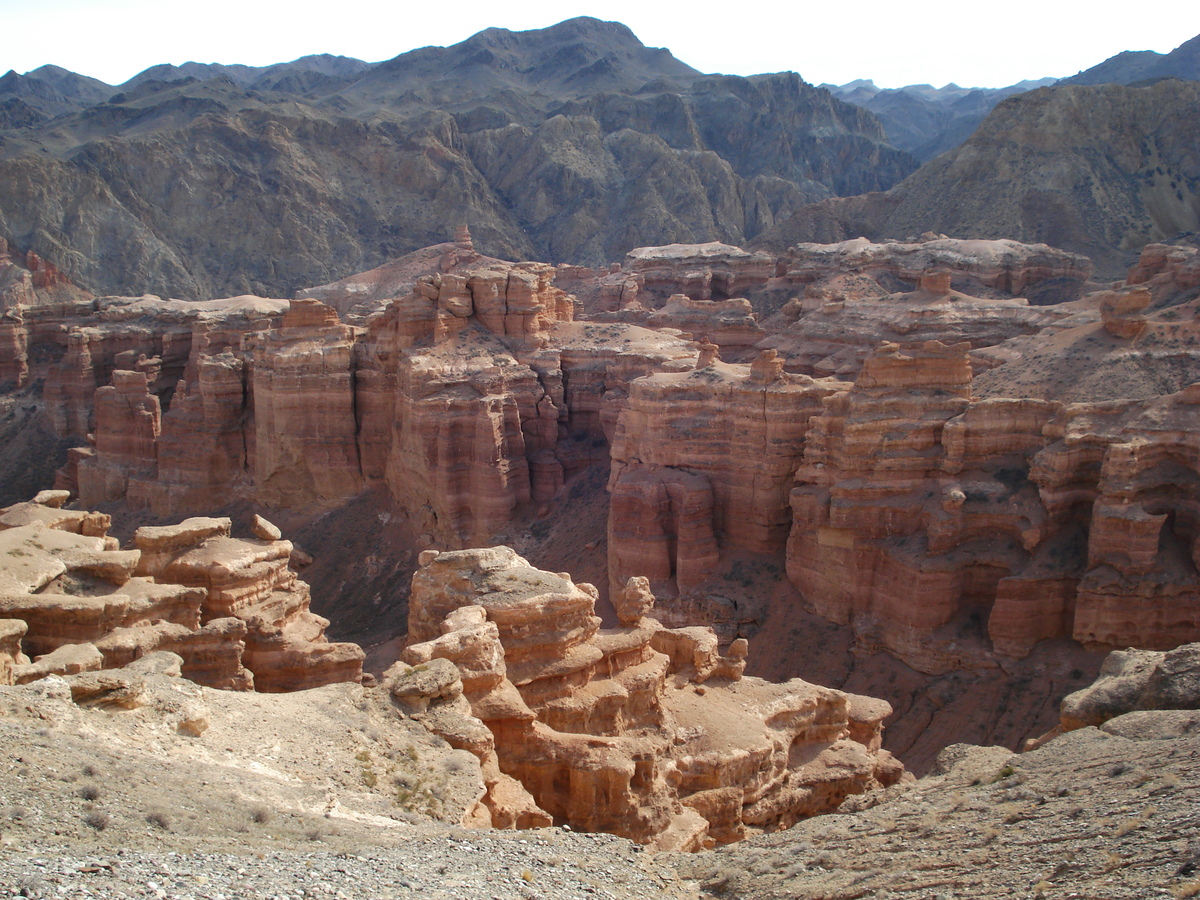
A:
[(469, 397)]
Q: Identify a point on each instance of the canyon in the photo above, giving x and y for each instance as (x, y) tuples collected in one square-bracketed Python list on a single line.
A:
[(774, 516), (897, 415)]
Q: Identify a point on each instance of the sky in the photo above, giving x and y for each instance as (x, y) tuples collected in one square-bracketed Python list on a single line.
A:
[(972, 44)]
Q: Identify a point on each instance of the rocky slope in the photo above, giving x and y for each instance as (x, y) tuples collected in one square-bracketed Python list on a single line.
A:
[(1033, 172), (1144, 65), (1097, 812), (573, 143), (638, 730), (1100, 811)]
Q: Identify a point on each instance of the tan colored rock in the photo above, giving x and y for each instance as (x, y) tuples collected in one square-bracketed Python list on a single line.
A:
[(107, 690), (1132, 680), (69, 659), (1120, 311), (69, 589), (606, 732), (11, 657), (54, 499), (264, 530), (634, 600)]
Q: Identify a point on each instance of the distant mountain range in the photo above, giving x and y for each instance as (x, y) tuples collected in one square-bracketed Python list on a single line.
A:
[(927, 121), (573, 143)]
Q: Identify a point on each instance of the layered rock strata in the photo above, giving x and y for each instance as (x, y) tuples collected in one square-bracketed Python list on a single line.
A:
[(704, 459), (943, 527), (230, 607), (640, 730), (469, 397)]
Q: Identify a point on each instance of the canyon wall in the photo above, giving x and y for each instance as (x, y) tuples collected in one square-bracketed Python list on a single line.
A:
[(940, 526), (468, 397)]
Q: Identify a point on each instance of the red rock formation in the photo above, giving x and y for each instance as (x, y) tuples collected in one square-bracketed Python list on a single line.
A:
[(232, 609), (842, 318), (305, 411), (639, 730), (128, 423), (703, 456), (1128, 470), (32, 294), (1008, 266), (1168, 272), (304, 427), (491, 363), (1120, 311), (728, 323), (712, 271), (940, 527)]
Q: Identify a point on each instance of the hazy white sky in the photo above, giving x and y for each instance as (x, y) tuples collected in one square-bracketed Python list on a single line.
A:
[(975, 44)]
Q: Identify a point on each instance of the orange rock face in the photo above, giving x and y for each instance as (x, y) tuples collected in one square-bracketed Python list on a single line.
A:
[(705, 454), (304, 426), (943, 528), (640, 730), (469, 397), (231, 608)]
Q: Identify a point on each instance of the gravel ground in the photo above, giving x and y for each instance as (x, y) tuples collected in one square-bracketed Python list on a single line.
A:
[(551, 864)]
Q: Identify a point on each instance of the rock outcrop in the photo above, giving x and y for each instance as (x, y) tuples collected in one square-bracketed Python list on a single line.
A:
[(469, 397), (1137, 681), (706, 458), (73, 601), (639, 730)]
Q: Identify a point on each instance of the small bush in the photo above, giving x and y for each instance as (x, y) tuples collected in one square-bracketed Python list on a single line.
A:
[(97, 819), (260, 815), (90, 792), (159, 818)]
